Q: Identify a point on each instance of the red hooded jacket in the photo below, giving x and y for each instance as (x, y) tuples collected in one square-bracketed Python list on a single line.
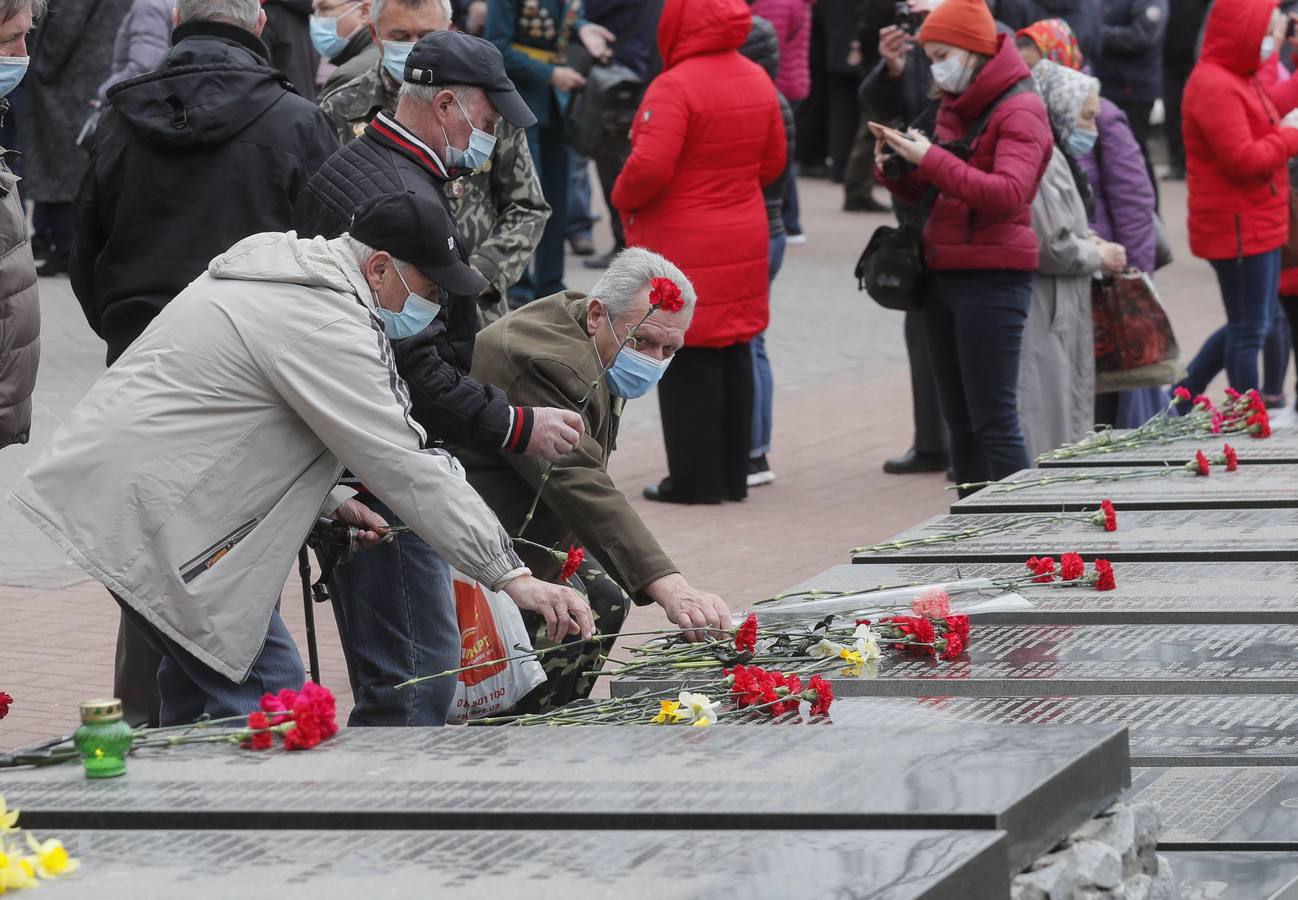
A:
[(982, 218), (707, 136), (1235, 151)]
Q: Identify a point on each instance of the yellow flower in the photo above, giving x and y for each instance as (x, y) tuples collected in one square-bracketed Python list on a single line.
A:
[(52, 857), (16, 873), (853, 657), (8, 818), (700, 707), (669, 713)]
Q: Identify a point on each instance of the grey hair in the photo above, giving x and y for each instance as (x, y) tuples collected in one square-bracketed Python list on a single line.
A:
[(362, 251), (11, 8), (427, 93), (240, 13), (376, 7), (629, 272)]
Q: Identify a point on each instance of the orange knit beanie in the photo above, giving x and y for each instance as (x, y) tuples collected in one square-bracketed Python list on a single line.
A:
[(966, 24)]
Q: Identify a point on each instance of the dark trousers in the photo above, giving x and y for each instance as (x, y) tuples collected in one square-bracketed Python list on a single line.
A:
[(930, 430), (974, 323), (706, 401), (1138, 115), (858, 177), (1275, 355), (53, 223), (1174, 78), (1289, 303), (608, 165), (135, 674), (844, 113), (1248, 291), (550, 156)]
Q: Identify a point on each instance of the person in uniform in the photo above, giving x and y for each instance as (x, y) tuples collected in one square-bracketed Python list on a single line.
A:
[(534, 37), (498, 206)]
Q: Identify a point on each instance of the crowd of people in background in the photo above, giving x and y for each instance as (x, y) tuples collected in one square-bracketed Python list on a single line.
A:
[(1011, 138)]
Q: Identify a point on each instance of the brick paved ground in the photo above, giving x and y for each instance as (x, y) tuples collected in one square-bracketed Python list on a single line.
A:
[(842, 405)]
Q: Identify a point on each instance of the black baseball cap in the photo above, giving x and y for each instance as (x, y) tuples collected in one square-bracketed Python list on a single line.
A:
[(419, 232), (448, 58)]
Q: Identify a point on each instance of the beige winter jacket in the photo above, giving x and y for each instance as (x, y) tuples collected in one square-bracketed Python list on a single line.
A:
[(20, 314), (189, 475)]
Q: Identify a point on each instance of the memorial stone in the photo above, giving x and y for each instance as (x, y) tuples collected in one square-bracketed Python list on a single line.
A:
[(596, 778), (1209, 535), (1163, 730), (1080, 660), (540, 865), (1239, 875), (1147, 592), (1223, 808), (1280, 448), (1265, 487)]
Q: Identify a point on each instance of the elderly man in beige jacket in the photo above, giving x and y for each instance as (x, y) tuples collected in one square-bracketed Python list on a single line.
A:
[(191, 472)]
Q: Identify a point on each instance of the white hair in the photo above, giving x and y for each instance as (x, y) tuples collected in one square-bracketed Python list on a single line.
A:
[(240, 13), (11, 8), (362, 252), (427, 93), (627, 275), (376, 7)]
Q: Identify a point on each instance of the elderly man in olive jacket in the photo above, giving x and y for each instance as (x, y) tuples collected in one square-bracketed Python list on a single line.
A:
[(554, 352)]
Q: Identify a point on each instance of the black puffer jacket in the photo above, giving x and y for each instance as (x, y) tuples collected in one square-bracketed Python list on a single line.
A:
[(212, 146), (763, 48), (447, 403), (288, 37)]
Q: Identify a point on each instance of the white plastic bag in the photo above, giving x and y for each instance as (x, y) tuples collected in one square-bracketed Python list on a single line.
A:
[(491, 628)]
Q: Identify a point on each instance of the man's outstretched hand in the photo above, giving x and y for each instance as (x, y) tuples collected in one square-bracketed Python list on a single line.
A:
[(565, 611), (688, 607)]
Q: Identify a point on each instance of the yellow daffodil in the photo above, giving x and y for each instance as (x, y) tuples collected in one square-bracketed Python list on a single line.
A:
[(700, 707), (52, 857), (669, 713), (8, 817), (853, 657), (16, 873)]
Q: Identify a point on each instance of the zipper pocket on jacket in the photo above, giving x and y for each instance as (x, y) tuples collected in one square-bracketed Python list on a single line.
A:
[(215, 553)]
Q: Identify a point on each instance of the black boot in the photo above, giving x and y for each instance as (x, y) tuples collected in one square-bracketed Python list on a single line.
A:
[(913, 461)]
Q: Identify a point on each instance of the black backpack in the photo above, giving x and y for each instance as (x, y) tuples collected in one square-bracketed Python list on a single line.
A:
[(603, 109), (891, 268)]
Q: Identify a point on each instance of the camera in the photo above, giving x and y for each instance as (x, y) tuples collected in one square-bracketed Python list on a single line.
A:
[(904, 19), (894, 167)]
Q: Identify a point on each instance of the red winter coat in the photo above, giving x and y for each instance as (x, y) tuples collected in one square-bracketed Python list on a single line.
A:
[(792, 22), (707, 136), (983, 215), (1235, 151)]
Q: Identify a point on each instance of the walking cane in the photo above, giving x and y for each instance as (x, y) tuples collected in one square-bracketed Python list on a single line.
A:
[(308, 607)]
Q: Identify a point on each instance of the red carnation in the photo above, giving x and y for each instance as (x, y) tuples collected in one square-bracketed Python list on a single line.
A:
[(920, 629), (793, 685), (575, 557), (1043, 568), (261, 739), (750, 686), (1181, 394), (746, 636), (824, 695), (6, 701), (1071, 567), (1232, 394), (1107, 516), (954, 646), (862, 621), (1218, 420), (272, 703), (1259, 424), (1200, 464), (959, 625), (1203, 402), (1232, 458), (1104, 575), (665, 295), (314, 717)]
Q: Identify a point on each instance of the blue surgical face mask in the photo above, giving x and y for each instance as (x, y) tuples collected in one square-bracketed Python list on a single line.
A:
[(479, 150), (415, 316), (1080, 142), (633, 373), (12, 70), (1268, 47), (324, 36), (394, 57)]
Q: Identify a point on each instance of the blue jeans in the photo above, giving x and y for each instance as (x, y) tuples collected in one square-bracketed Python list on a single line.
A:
[(1249, 288), (974, 323), (763, 381), (395, 608), (580, 220), (190, 688)]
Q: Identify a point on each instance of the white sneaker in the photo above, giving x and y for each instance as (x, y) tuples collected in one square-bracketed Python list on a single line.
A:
[(757, 479), (797, 239)]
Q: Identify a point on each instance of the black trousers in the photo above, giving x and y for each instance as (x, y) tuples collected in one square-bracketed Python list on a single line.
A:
[(844, 114), (930, 429), (609, 161), (1174, 77), (706, 400)]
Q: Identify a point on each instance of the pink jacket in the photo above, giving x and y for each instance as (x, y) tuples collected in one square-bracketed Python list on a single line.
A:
[(792, 21)]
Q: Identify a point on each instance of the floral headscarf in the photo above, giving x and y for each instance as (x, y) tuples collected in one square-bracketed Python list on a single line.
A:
[(1064, 92), (1056, 41)]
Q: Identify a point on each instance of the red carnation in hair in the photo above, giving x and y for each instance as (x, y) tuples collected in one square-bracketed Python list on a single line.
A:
[(665, 295), (575, 557)]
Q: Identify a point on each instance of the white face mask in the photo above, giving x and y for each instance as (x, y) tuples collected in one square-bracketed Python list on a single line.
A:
[(952, 74), (1268, 47)]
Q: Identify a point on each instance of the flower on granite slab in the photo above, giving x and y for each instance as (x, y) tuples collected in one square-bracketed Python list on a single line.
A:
[(954, 646), (669, 713), (51, 857), (1230, 457), (1071, 567), (1106, 516), (819, 694), (746, 635), (933, 605), (1199, 465), (6, 701), (1104, 580), (1043, 568), (700, 708)]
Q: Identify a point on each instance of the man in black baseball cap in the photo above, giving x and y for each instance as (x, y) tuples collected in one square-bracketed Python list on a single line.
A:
[(452, 57), (420, 233)]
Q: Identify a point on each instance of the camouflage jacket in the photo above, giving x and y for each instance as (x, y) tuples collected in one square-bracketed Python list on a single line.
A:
[(500, 208)]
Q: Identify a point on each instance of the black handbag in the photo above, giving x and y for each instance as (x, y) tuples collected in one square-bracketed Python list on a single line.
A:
[(891, 269), (603, 110)]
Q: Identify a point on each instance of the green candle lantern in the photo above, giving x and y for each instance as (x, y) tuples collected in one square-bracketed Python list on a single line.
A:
[(104, 739)]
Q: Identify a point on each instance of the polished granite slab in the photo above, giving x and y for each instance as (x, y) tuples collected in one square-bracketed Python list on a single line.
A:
[(1147, 592), (1280, 448), (540, 865), (1162, 730), (912, 776), (1233, 875), (1223, 808), (1080, 660), (1208, 535), (1260, 487)]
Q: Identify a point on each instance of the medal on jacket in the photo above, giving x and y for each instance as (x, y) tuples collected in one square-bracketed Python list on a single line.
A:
[(455, 187)]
